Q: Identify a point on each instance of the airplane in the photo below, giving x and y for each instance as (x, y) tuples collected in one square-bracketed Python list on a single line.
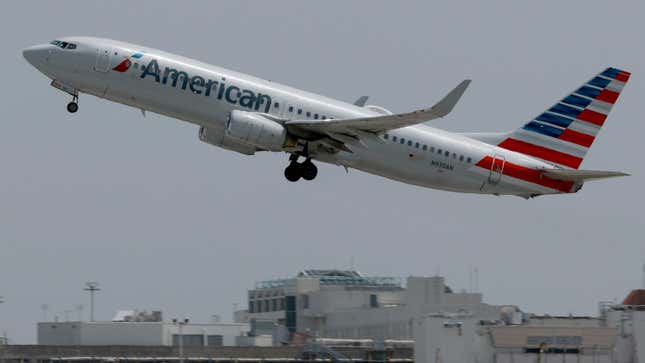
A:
[(247, 114)]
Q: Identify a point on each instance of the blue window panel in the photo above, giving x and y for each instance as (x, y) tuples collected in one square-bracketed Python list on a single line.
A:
[(543, 129), (599, 82), (610, 72), (577, 101), (588, 91), (565, 110), (554, 119)]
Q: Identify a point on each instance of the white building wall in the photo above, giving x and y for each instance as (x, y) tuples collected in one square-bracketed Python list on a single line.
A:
[(132, 333), (122, 333), (439, 339)]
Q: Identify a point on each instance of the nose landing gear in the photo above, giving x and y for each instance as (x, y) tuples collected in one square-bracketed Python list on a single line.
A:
[(305, 170), (72, 107)]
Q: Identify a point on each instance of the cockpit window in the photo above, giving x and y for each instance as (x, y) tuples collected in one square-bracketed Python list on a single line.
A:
[(63, 45)]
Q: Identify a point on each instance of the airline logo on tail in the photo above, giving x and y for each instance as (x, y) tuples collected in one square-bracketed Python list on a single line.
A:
[(126, 63), (563, 134)]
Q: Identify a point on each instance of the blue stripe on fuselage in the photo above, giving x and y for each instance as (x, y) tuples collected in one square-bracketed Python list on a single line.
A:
[(577, 101), (543, 129), (554, 119), (565, 110), (600, 82)]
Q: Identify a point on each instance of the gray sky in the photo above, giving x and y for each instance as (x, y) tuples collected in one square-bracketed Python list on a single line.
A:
[(164, 221)]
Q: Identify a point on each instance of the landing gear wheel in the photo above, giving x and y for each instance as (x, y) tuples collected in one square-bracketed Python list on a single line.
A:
[(293, 172), (72, 107), (309, 170)]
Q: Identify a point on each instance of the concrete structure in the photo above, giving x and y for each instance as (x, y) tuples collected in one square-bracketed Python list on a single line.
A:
[(617, 335), (346, 304), (139, 333)]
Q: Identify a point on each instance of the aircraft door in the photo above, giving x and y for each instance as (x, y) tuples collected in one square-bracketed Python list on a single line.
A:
[(496, 169), (102, 60)]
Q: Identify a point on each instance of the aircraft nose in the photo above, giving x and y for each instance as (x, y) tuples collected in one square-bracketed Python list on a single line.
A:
[(36, 55)]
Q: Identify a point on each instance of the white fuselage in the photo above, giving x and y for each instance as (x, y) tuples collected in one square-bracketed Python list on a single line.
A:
[(205, 95)]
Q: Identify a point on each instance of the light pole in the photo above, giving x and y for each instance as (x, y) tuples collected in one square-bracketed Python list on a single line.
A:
[(180, 325), (92, 287)]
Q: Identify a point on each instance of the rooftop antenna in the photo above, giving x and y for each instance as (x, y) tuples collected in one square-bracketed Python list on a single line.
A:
[(79, 311), (92, 287), (476, 272), (44, 308)]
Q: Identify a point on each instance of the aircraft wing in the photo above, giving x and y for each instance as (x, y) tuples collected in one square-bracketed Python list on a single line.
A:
[(362, 125), (581, 175)]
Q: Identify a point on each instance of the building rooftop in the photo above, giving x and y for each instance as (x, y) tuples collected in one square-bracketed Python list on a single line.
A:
[(336, 277)]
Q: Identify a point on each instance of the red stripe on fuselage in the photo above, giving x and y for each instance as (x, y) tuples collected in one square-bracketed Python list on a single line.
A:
[(576, 137), (622, 76), (527, 174), (593, 117), (541, 152), (608, 96)]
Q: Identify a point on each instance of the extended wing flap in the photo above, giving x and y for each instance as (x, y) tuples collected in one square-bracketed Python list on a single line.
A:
[(581, 175)]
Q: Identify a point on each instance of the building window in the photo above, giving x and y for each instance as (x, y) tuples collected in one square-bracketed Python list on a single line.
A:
[(304, 301), (402, 141), (431, 149), (251, 307), (276, 105), (188, 340), (308, 114), (266, 305), (394, 138), (461, 158), (299, 111), (409, 142), (425, 147), (416, 145), (324, 117), (447, 153), (274, 304), (215, 340), (386, 136), (373, 301), (290, 108), (469, 160), (315, 116), (439, 151)]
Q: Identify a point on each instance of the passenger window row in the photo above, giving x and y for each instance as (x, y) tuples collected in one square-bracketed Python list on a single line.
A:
[(63, 45), (299, 111), (424, 147)]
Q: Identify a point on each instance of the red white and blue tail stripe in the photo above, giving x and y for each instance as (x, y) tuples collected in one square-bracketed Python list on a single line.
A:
[(563, 134)]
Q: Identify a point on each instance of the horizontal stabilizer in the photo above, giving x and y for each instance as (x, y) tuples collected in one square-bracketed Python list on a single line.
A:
[(581, 175)]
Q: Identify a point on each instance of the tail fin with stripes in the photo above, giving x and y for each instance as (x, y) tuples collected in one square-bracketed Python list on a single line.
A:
[(563, 133)]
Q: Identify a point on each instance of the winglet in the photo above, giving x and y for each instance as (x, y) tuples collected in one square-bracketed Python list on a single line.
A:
[(361, 101), (443, 107)]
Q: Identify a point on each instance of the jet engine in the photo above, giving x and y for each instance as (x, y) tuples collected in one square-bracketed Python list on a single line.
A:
[(257, 130), (218, 137)]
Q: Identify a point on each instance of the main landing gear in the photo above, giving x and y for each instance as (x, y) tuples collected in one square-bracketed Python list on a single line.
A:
[(73, 106), (305, 170)]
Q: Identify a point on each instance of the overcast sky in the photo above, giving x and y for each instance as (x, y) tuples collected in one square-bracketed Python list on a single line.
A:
[(164, 221)]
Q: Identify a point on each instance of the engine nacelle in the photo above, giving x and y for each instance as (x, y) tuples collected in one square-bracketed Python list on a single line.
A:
[(257, 130), (218, 137)]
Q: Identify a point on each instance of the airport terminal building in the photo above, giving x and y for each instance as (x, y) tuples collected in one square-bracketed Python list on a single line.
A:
[(349, 305)]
